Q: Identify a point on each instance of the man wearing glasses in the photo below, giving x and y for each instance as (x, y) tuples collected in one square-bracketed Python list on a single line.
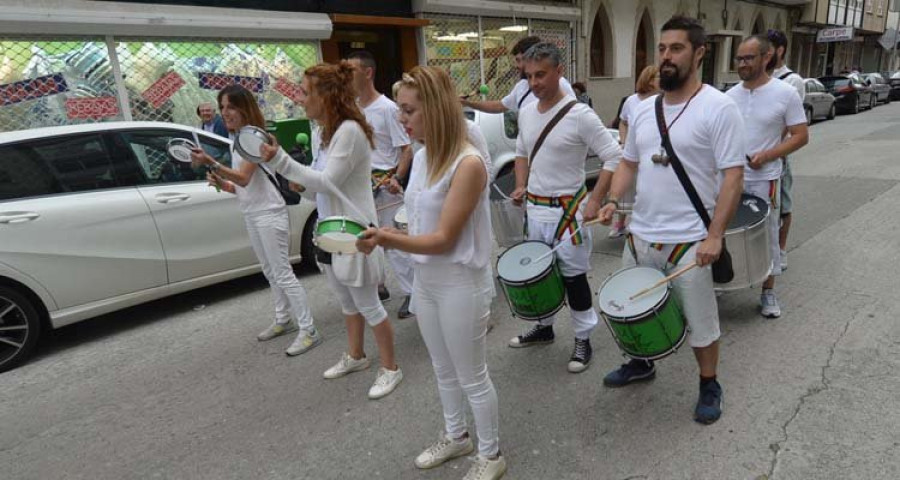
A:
[(769, 107)]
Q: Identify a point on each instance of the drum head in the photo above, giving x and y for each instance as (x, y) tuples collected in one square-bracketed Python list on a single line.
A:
[(751, 211), (180, 149), (613, 296), (337, 242), (520, 263), (248, 141)]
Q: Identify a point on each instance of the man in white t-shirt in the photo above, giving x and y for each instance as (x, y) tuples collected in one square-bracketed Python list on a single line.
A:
[(778, 69), (667, 232), (521, 94), (551, 181), (391, 160), (768, 107)]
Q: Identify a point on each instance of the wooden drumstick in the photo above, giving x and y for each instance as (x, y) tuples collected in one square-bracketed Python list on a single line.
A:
[(664, 280), (389, 205)]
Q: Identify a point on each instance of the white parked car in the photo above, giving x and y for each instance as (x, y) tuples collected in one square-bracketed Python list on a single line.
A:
[(96, 218)]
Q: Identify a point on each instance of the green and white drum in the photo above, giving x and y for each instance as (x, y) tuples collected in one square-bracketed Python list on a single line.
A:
[(530, 280), (338, 234), (649, 327)]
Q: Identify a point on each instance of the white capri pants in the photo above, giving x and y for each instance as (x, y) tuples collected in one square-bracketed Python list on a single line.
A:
[(573, 261), (693, 289), (452, 303), (270, 237), (769, 190), (357, 300), (401, 262)]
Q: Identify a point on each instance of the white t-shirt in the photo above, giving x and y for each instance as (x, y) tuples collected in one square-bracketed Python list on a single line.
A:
[(259, 194), (389, 134), (794, 80), (558, 168), (521, 92), (628, 107), (766, 112), (708, 138)]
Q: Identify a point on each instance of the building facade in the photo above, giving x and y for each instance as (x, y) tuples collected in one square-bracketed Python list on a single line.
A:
[(840, 36)]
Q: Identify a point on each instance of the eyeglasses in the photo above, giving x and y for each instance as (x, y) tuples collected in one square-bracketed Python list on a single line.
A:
[(745, 59)]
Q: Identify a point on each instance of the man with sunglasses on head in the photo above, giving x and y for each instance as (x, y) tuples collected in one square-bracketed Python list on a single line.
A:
[(769, 107)]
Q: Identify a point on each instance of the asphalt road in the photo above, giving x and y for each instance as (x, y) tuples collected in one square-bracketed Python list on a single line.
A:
[(180, 388)]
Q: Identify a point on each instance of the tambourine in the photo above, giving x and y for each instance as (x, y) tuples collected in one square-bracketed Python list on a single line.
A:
[(179, 149), (248, 141)]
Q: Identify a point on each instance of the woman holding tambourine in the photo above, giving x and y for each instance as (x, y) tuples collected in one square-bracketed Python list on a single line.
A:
[(341, 178), (266, 217)]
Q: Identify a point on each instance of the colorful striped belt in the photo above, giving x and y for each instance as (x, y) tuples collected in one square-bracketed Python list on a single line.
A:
[(569, 204), (678, 249)]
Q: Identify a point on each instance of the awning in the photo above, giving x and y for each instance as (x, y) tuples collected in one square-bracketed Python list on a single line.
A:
[(81, 17), (493, 8)]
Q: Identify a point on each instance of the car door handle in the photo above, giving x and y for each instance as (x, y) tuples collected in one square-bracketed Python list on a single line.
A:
[(172, 197), (18, 217)]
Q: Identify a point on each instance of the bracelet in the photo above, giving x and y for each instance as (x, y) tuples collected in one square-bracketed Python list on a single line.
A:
[(214, 166)]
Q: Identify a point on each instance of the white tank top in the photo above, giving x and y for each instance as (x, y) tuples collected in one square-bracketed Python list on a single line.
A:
[(424, 204)]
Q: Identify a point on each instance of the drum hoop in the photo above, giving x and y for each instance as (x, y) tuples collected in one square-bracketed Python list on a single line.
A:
[(342, 218), (240, 148), (539, 276), (644, 314)]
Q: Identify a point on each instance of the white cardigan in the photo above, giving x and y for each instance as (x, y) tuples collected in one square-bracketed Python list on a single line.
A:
[(347, 166)]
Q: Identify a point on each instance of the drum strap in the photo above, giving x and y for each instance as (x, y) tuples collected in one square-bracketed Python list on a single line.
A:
[(569, 204), (675, 256), (774, 193)]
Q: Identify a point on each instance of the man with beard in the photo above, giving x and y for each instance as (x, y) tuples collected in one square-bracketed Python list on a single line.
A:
[(550, 178), (667, 232), (521, 94), (769, 107), (779, 70)]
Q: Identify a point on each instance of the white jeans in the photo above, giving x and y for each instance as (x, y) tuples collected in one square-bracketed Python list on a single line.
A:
[(401, 262), (573, 261), (452, 304), (270, 237), (362, 300)]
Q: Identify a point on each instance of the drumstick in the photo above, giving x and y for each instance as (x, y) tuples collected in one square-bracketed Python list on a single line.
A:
[(665, 280), (389, 206), (562, 242), (383, 181)]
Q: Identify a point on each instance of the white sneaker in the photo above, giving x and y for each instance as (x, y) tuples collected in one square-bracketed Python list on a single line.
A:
[(769, 304), (385, 382), (305, 341), (444, 450), (783, 260), (346, 365), (486, 469), (277, 330)]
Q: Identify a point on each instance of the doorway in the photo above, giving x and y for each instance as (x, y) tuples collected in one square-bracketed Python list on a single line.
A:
[(643, 45), (382, 43)]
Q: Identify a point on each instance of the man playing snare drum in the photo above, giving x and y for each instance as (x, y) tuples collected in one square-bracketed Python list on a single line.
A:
[(706, 131), (769, 107), (553, 187)]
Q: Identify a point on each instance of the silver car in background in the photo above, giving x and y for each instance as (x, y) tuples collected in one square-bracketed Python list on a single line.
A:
[(96, 218)]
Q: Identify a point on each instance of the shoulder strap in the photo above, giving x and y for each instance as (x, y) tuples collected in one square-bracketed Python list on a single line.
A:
[(788, 74), (677, 166), (521, 100), (552, 123)]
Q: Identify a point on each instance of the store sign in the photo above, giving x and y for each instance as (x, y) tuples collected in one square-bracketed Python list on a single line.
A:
[(835, 34), (289, 89), (12, 93), (92, 108), (218, 81), (163, 89)]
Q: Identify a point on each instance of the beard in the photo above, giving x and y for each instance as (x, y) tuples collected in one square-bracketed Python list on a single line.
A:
[(673, 79), (748, 74)]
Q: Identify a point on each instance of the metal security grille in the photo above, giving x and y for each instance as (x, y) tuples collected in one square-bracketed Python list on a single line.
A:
[(63, 81), (52, 81), (476, 50)]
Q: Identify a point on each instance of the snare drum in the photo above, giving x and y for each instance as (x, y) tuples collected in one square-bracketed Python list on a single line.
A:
[(747, 238), (248, 142), (338, 234), (531, 281), (649, 327), (400, 220)]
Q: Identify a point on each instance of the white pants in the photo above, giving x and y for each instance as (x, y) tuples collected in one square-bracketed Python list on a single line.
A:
[(357, 300), (401, 262), (769, 190), (573, 260), (270, 238), (452, 304), (693, 289)]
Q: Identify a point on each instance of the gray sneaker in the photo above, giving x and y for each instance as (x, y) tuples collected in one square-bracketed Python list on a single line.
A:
[(305, 341), (277, 330), (783, 260), (769, 304)]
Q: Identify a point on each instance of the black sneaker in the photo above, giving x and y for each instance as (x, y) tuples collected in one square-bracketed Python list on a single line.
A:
[(383, 293), (404, 309), (633, 371), (709, 405), (581, 355), (538, 335)]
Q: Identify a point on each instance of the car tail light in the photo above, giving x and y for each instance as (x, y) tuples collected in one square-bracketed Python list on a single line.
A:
[(847, 89)]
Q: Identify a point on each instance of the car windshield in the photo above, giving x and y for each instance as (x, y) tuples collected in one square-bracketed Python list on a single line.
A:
[(835, 82)]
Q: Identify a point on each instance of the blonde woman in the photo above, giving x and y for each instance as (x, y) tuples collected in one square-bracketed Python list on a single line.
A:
[(343, 163), (450, 242)]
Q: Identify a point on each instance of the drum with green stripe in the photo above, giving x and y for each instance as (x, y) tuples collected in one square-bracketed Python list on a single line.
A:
[(338, 234), (649, 327), (531, 281)]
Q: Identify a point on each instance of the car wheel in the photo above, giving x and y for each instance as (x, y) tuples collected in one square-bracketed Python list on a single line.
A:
[(307, 247), (832, 112), (20, 327), (809, 116), (873, 100), (855, 109)]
